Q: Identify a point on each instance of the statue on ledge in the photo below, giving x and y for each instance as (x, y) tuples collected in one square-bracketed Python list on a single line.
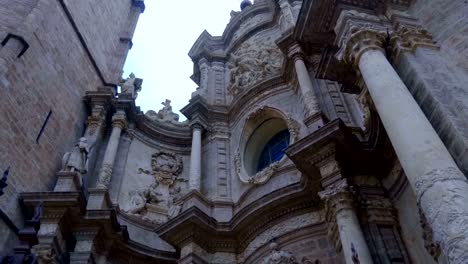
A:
[(77, 159), (131, 86)]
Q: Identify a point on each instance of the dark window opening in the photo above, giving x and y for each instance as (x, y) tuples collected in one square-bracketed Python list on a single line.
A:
[(43, 127)]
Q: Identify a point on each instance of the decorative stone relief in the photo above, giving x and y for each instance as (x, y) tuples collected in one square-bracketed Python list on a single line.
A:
[(131, 86), (158, 202), (278, 256), (166, 167), (432, 247), (256, 60), (165, 114), (77, 159)]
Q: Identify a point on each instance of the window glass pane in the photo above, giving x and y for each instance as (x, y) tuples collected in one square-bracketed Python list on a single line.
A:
[(273, 150)]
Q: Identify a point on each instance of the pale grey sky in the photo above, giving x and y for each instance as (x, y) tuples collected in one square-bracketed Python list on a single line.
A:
[(165, 33)]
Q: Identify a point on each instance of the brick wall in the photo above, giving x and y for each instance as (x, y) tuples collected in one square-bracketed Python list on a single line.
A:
[(52, 75), (102, 24)]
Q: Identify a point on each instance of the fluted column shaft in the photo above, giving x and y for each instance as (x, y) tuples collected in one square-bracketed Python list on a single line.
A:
[(440, 186), (341, 211), (105, 173), (195, 159)]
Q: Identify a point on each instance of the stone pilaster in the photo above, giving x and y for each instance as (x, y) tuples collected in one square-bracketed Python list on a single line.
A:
[(440, 186), (119, 122), (307, 91), (344, 226), (195, 158)]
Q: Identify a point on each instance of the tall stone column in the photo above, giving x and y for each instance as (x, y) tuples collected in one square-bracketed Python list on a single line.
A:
[(342, 218), (119, 122), (307, 91), (440, 186), (195, 158)]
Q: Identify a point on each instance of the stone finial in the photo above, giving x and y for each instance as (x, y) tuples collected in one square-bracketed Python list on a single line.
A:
[(245, 3)]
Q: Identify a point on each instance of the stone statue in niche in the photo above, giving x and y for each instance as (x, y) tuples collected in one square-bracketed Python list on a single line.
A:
[(131, 86), (256, 60), (77, 159), (278, 256)]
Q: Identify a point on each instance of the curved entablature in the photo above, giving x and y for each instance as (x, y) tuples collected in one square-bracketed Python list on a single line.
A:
[(168, 133)]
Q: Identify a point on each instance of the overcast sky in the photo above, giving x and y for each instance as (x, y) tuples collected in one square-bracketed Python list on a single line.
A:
[(164, 35)]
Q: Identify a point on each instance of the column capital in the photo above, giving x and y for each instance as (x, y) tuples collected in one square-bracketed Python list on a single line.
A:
[(119, 119), (359, 32), (409, 33), (97, 117), (295, 52)]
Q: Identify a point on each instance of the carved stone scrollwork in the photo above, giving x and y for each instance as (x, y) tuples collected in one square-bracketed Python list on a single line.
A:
[(166, 167), (265, 174), (294, 128)]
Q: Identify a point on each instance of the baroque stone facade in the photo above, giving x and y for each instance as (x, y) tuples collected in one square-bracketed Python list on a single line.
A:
[(321, 132)]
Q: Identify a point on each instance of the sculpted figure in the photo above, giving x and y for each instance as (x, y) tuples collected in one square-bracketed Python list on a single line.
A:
[(131, 85), (77, 159), (166, 113)]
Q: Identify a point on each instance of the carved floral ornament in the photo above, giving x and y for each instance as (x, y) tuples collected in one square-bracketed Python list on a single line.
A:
[(254, 119)]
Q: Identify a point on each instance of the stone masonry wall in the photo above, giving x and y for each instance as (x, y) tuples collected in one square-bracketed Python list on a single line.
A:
[(52, 75), (102, 24), (450, 31)]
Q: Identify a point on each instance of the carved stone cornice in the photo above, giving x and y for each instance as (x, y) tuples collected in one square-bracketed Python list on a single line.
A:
[(321, 148), (194, 223)]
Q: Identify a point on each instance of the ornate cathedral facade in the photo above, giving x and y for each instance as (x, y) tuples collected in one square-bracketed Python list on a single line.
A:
[(320, 132)]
